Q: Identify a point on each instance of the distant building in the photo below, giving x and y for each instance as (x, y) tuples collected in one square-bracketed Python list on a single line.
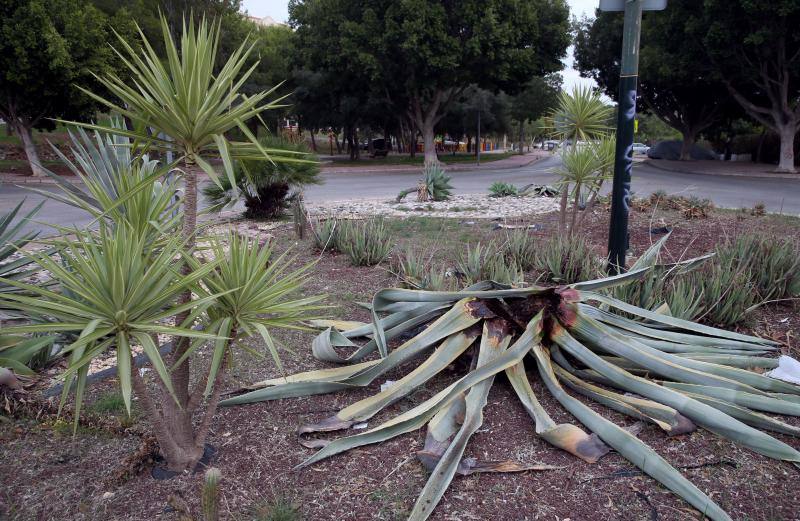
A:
[(267, 21)]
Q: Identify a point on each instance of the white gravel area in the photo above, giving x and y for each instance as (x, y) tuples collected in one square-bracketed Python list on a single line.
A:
[(472, 206)]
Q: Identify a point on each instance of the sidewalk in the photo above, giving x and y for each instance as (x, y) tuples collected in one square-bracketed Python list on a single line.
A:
[(515, 161), (720, 168)]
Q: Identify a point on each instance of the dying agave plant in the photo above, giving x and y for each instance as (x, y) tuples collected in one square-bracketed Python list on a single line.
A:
[(696, 378)]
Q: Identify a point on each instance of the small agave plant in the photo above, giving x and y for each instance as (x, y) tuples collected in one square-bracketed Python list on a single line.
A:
[(650, 366), (434, 185)]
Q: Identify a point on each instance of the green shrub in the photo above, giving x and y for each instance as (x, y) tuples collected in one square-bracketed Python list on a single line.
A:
[(727, 291), (366, 243), (479, 263), (500, 189), (773, 264), (520, 247), (324, 231), (567, 259), (266, 187)]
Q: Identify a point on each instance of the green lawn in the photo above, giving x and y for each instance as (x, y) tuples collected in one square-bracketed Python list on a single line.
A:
[(447, 159)]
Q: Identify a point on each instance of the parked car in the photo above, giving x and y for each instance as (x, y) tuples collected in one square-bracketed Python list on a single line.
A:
[(551, 145), (377, 144), (640, 148)]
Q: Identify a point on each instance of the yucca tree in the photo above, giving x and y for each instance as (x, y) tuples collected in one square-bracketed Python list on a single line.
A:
[(184, 106), (581, 119), (652, 367), (116, 291)]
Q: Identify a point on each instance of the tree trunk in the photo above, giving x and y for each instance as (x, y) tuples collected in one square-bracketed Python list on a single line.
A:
[(687, 144), (429, 140), (26, 135), (412, 142), (313, 140), (787, 134), (521, 138)]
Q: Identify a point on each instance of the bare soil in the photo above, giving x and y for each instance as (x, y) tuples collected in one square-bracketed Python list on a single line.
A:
[(47, 475)]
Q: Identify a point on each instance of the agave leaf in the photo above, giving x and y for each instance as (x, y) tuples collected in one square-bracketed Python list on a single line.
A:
[(749, 417), (699, 413), (665, 417), (742, 362), (664, 335), (450, 349), (672, 321), (630, 447), (494, 342), (680, 368), (565, 436), (418, 416), (752, 401)]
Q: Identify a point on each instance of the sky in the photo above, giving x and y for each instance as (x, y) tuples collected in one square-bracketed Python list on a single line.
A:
[(277, 9)]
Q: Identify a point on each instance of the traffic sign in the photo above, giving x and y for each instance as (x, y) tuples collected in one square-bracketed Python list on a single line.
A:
[(619, 5)]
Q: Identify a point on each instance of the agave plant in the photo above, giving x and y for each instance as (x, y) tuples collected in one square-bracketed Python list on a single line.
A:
[(433, 186), (116, 186), (696, 378)]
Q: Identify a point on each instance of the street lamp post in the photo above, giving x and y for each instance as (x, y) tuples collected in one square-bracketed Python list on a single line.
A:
[(626, 114)]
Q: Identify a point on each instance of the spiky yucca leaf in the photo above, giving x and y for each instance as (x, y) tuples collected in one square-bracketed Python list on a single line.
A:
[(599, 354)]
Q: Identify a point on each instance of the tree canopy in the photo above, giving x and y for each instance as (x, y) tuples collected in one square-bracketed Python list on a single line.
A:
[(677, 81), (419, 56), (46, 48)]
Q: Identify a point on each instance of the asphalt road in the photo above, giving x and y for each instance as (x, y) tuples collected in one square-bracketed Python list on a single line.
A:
[(779, 195)]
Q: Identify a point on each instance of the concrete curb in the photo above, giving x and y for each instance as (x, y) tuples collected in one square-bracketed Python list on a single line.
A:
[(762, 175), (492, 165), (12, 179)]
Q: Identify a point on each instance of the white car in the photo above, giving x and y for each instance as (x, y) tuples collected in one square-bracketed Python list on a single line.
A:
[(640, 148)]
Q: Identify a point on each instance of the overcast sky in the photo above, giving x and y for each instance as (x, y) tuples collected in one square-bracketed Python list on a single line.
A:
[(277, 9)]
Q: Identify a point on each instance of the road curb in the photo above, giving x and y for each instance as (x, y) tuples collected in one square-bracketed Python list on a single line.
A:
[(492, 165), (760, 175), (12, 179)]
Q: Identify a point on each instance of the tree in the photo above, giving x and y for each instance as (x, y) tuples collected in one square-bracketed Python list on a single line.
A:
[(183, 107), (46, 48), (755, 47), (536, 98), (677, 81), (421, 55), (433, 50)]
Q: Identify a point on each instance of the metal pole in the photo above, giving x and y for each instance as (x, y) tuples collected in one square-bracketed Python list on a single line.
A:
[(623, 163)]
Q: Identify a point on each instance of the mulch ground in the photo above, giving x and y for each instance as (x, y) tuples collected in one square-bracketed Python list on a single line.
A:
[(46, 475)]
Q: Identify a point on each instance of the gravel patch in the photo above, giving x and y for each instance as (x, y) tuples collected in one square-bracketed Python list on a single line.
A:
[(474, 206)]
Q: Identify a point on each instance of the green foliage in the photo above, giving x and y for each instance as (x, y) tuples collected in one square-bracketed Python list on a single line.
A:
[(108, 403), (581, 115), (433, 186), (118, 187), (181, 105), (279, 508), (12, 264), (567, 259), (773, 264), (210, 496), (479, 263), (501, 189), (415, 272), (366, 243), (324, 231), (48, 47), (267, 186), (520, 247)]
